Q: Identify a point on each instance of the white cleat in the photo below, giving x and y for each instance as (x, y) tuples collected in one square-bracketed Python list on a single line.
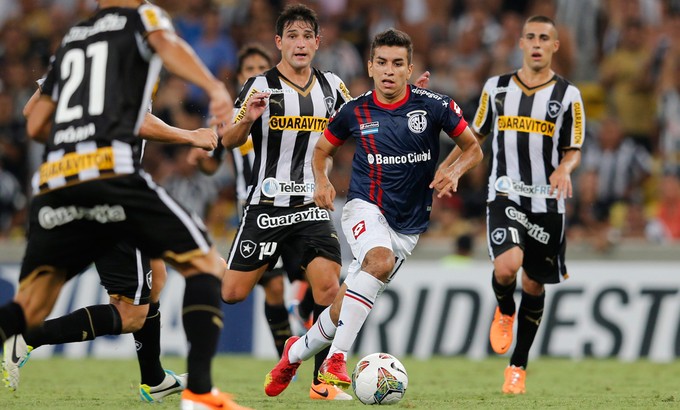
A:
[(173, 383), (15, 355)]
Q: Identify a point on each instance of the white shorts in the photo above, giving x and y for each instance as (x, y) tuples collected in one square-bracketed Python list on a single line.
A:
[(365, 228)]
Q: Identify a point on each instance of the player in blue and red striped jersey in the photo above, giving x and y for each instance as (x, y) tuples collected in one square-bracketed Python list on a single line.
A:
[(396, 127)]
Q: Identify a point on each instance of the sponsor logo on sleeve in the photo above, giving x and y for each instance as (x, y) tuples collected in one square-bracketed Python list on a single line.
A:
[(578, 123), (481, 111)]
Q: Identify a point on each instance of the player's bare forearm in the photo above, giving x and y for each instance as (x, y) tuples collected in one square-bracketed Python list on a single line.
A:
[(560, 179), (180, 59), (236, 134), (155, 129), (322, 163), (456, 153), (446, 178)]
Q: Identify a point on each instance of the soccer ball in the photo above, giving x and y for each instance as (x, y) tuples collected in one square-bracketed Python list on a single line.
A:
[(379, 378)]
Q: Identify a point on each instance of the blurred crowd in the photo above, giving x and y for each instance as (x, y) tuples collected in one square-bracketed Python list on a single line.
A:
[(624, 55)]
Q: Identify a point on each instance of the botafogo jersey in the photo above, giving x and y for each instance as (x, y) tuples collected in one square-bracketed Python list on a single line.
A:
[(101, 79), (284, 136), (531, 128), (397, 149)]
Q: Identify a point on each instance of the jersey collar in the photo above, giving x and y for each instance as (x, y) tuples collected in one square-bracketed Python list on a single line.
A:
[(393, 105)]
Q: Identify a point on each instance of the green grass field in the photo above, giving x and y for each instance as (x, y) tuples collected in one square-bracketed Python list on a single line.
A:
[(441, 383)]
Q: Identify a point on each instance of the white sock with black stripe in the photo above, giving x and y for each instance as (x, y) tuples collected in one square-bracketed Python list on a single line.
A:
[(315, 340), (356, 306)]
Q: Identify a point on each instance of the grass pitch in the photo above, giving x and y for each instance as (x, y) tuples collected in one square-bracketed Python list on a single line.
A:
[(439, 383)]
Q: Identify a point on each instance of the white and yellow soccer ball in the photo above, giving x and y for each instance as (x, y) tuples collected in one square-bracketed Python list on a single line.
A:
[(379, 378)]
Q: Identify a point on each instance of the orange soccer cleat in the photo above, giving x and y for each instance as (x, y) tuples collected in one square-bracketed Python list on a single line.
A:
[(209, 401), (514, 380), (326, 391), (500, 335)]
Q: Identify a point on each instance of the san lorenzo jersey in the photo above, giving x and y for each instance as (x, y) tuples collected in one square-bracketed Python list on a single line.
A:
[(285, 135), (99, 111), (532, 127), (397, 148)]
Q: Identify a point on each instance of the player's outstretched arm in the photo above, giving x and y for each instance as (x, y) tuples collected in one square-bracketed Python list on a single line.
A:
[(446, 179), (322, 163), (155, 129), (180, 59)]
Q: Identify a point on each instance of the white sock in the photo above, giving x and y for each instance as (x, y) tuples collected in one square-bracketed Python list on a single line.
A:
[(315, 340), (356, 306)]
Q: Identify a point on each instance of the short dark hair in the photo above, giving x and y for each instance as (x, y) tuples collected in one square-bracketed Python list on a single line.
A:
[(252, 49), (297, 12), (392, 38), (540, 19)]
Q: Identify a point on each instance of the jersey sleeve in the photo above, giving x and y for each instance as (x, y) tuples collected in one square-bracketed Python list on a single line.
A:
[(573, 128), (241, 102), (154, 18), (48, 83), (339, 125), (452, 119), (342, 94), (484, 116)]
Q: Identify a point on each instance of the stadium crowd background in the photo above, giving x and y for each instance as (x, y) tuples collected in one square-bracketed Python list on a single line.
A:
[(624, 55)]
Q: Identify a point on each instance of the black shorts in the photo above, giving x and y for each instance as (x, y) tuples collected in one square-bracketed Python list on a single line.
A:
[(289, 264), (71, 227), (540, 235), (126, 273), (297, 234)]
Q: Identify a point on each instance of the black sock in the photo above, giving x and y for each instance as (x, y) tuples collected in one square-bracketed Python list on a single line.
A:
[(306, 306), (321, 356), (277, 319), (504, 295), (79, 326), (12, 321), (203, 320), (148, 346), (528, 320)]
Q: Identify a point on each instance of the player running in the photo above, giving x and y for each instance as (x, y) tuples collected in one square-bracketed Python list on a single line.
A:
[(396, 127), (90, 191)]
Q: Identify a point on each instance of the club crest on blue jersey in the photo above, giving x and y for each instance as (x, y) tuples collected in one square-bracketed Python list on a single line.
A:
[(417, 122), (369, 128)]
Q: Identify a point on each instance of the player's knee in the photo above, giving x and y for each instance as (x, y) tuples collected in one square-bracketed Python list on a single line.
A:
[(505, 273), (233, 295), (379, 265), (132, 317)]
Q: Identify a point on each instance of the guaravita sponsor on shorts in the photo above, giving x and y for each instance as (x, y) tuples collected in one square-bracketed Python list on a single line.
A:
[(266, 221)]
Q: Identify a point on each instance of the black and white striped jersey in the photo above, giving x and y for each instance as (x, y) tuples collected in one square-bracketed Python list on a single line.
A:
[(101, 80), (531, 128), (284, 136), (243, 158)]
